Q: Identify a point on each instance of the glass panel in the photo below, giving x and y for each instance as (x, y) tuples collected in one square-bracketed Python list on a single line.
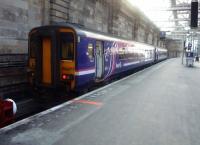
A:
[(35, 43), (90, 51), (67, 46)]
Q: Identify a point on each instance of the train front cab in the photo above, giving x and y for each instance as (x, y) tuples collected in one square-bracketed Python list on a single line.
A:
[(52, 58)]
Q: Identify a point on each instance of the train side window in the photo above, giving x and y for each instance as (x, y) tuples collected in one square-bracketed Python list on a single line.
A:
[(90, 50), (67, 46), (122, 54)]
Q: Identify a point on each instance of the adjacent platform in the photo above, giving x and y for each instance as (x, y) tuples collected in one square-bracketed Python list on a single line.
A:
[(158, 106)]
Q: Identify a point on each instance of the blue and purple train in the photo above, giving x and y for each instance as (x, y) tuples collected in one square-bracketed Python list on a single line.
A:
[(69, 57)]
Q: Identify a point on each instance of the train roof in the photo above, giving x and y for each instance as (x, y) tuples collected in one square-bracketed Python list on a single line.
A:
[(82, 31)]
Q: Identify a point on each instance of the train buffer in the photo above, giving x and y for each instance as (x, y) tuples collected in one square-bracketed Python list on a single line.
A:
[(156, 106), (7, 112)]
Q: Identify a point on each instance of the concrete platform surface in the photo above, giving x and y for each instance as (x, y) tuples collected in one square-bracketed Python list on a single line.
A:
[(158, 106)]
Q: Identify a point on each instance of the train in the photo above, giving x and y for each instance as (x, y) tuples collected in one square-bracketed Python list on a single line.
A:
[(72, 58)]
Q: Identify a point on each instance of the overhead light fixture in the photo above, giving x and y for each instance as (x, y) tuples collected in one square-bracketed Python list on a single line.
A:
[(187, 28)]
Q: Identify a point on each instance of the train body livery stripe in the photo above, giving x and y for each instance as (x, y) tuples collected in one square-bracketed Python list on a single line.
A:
[(84, 72), (150, 59), (131, 63)]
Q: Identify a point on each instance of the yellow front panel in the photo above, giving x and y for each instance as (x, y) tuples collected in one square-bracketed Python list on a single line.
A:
[(46, 61), (68, 68)]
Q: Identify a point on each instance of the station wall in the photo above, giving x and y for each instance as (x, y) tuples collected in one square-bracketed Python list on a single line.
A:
[(16, 19), (114, 17), (175, 47)]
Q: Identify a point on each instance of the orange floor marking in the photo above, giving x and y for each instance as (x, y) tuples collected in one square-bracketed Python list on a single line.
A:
[(89, 102)]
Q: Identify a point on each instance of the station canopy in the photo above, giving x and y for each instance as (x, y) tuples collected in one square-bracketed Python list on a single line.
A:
[(171, 16)]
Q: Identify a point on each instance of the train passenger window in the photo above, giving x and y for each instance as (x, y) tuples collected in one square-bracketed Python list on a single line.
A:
[(90, 51), (67, 46), (122, 53)]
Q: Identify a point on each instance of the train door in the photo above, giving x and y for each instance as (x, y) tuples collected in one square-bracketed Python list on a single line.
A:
[(99, 59), (46, 60)]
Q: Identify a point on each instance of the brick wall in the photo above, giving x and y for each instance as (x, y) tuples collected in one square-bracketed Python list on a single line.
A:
[(110, 16), (16, 19)]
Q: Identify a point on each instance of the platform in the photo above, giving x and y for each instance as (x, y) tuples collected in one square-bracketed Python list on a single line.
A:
[(157, 106)]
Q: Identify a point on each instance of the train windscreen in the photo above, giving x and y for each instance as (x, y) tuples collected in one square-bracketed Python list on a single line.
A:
[(67, 45), (34, 44)]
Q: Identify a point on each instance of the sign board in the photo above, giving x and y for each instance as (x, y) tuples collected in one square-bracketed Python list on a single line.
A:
[(162, 34)]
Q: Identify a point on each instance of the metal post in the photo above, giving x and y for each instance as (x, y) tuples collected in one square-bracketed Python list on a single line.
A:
[(184, 46)]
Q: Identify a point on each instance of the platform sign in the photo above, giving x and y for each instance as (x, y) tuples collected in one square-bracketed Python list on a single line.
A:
[(194, 14), (162, 34)]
